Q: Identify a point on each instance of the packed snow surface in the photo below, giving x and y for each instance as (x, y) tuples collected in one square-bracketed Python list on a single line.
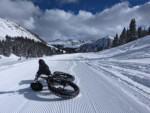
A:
[(116, 80)]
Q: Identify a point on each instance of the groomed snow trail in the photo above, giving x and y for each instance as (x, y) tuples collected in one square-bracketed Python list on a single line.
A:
[(97, 93)]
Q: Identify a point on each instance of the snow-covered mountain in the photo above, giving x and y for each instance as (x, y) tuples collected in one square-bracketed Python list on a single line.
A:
[(70, 43), (95, 46), (82, 45), (12, 29)]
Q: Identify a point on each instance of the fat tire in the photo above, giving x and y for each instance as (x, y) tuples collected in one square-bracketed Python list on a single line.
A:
[(63, 76), (63, 93)]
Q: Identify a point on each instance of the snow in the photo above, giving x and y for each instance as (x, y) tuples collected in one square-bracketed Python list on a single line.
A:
[(96, 45), (12, 29), (5, 60), (115, 80), (71, 43)]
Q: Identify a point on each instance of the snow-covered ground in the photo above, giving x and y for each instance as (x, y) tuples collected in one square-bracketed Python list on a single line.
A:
[(112, 81)]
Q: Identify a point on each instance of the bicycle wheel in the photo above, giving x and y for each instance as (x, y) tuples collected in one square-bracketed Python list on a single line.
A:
[(63, 76), (63, 88)]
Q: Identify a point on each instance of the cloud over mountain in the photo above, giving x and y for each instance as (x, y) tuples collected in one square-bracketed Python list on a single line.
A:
[(57, 24)]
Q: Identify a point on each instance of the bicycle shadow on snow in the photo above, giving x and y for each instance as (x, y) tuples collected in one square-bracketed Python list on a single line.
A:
[(43, 96)]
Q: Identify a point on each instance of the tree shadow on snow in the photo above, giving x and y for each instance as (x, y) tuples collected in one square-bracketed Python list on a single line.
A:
[(43, 96)]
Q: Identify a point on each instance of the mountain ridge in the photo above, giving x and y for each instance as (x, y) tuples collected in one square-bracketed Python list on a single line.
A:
[(97, 45), (70, 43), (13, 30)]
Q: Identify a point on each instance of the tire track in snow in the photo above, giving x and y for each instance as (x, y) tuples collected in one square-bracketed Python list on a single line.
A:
[(138, 91), (71, 70), (106, 85), (124, 78), (73, 64), (86, 93), (89, 94), (104, 71)]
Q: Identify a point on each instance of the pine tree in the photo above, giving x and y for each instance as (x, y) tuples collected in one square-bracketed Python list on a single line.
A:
[(108, 43), (116, 41), (144, 32), (140, 34), (127, 36), (24, 47), (1, 48), (7, 48), (132, 31), (149, 30), (123, 35)]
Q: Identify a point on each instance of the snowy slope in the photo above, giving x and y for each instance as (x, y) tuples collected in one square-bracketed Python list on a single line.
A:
[(111, 81), (12, 29), (129, 64)]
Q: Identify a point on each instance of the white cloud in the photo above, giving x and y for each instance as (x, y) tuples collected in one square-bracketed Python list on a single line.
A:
[(55, 23), (29, 23), (61, 24), (20, 11)]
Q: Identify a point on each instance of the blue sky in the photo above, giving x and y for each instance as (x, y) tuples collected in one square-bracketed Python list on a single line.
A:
[(93, 6), (75, 19)]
